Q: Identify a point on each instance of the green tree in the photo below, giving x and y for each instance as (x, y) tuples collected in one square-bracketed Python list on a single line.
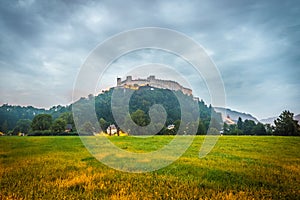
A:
[(41, 122), (269, 129), (127, 124), (140, 118), (23, 126), (214, 123), (248, 127), (59, 125), (240, 123), (286, 125), (177, 125), (259, 129), (4, 127), (232, 130), (213, 131), (226, 129), (201, 128), (103, 124), (87, 128), (67, 117)]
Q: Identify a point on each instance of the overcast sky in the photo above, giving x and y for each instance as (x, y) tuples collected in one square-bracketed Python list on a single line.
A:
[(254, 44)]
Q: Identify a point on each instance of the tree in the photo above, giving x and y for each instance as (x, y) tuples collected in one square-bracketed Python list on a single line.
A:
[(23, 126), (213, 131), (140, 118), (4, 127), (269, 129), (226, 129), (215, 124), (286, 125), (248, 126), (233, 130), (41, 122), (259, 129), (59, 125), (240, 123), (103, 124), (201, 128), (67, 117), (87, 128)]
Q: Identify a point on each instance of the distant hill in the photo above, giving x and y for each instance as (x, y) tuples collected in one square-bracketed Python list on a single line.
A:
[(270, 120), (234, 115), (297, 117)]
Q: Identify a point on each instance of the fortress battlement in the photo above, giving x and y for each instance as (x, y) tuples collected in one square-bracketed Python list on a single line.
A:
[(153, 82)]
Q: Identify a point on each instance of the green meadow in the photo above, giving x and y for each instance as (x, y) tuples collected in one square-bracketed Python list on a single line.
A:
[(238, 167)]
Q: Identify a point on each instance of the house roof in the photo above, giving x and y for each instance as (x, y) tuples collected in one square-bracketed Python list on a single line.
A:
[(112, 126)]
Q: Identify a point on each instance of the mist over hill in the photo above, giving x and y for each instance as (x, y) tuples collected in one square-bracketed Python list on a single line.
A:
[(234, 115), (270, 120)]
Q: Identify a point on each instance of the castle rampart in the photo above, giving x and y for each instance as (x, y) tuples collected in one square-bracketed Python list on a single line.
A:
[(153, 82)]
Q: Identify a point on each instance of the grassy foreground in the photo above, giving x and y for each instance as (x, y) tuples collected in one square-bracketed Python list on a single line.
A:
[(237, 168)]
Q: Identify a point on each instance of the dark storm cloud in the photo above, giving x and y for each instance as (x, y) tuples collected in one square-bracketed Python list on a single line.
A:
[(255, 45)]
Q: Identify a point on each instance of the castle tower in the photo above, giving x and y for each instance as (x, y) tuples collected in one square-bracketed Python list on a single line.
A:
[(151, 78), (118, 81), (129, 78)]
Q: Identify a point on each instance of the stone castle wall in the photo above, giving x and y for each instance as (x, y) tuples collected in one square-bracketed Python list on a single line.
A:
[(152, 81)]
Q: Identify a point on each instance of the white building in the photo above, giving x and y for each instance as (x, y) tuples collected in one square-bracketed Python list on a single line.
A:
[(111, 129)]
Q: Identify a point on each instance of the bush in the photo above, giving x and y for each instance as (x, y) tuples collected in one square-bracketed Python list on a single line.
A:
[(51, 133), (40, 133)]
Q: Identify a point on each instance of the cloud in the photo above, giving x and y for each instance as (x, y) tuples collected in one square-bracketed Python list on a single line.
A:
[(255, 45)]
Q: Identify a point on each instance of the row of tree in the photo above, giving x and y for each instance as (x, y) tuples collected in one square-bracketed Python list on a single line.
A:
[(10, 115), (43, 124), (285, 125), (247, 127), (111, 109)]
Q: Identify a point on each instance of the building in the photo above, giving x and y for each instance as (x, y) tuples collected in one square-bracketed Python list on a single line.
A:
[(153, 82), (69, 128), (170, 127), (111, 129)]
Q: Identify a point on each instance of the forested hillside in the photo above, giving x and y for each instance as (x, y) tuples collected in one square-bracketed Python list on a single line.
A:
[(140, 102), (10, 115)]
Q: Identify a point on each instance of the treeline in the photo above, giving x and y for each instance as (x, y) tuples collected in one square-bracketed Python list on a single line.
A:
[(12, 117), (285, 125), (126, 108), (44, 124), (247, 127)]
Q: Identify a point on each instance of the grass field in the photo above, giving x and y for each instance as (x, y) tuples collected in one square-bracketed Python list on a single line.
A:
[(237, 168)]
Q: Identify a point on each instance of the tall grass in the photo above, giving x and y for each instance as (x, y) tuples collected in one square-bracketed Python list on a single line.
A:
[(237, 168)]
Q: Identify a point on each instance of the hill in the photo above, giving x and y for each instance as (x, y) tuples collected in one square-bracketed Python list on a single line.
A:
[(270, 120), (234, 115), (297, 117), (141, 100)]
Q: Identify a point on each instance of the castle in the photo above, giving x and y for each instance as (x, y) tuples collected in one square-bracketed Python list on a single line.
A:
[(153, 82)]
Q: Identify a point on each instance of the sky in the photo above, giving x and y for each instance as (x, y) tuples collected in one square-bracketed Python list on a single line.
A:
[(254, 44)]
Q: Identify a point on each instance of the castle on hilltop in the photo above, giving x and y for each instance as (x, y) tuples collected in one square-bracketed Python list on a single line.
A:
[(153, 82)]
